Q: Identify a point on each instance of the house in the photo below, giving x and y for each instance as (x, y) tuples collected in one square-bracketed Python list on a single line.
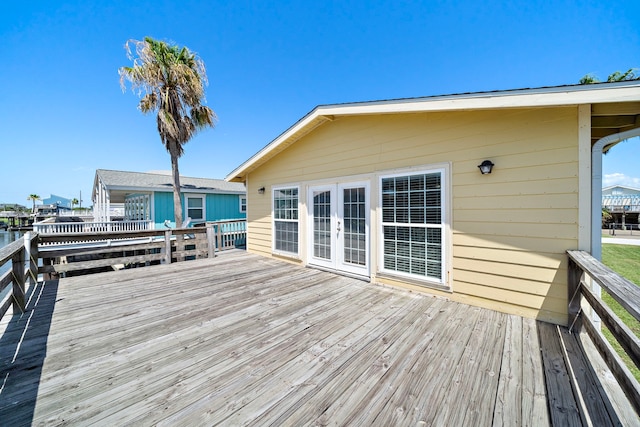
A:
[(53, 206), (149, 197), (623, 203), (48, 210), (391, 191), (61, 202)]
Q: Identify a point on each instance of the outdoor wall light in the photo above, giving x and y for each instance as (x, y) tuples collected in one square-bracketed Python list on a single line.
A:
[(485, 167), (261, 190)]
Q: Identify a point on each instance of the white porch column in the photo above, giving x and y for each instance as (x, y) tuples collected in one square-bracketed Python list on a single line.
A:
[(584, 177), (596, 187)]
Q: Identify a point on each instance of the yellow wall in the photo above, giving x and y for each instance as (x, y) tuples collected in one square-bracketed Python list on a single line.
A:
[(509, 230)]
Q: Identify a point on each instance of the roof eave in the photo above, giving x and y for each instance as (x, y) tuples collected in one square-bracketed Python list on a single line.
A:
[(170, 189), (520, 98)]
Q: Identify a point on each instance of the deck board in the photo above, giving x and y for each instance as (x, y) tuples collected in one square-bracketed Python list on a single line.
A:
[(246, 340)]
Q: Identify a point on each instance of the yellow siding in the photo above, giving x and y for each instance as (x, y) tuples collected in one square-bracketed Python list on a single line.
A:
[(509, 229)]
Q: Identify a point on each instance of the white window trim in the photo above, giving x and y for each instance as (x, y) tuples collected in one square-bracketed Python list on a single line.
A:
[(280, 252), (338, 184), (241, 204), (444, 170), (188, 196)]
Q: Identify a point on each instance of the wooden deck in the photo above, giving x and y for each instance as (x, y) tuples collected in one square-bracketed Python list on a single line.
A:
[(245, 340)]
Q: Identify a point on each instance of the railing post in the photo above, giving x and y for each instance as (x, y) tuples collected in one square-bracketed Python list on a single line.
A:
[(35, 255), (167, 247), (574, 293), (18, 281), (31, 255), (211, 241), (219, 237)]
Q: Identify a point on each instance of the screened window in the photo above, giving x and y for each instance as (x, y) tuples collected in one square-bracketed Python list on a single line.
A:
[(322, 213), (195, 208), (412, 224), (285, 220), (355, 223)]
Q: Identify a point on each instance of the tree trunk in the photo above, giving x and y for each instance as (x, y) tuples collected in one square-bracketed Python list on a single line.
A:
[(177, 203)]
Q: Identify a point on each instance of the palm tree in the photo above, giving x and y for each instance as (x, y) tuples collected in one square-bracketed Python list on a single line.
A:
[(33, 198), (173, 80), (74, 202), (616, 76), (606, 217)]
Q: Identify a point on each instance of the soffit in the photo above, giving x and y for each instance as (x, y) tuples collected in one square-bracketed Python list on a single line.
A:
[(610, 118)]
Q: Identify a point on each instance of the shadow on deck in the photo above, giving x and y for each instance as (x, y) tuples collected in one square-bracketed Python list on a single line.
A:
[(242, 339), (21, 367)]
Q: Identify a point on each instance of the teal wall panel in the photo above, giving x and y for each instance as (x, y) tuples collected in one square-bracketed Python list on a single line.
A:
[(223, 206), (163, 208), (218, 207)]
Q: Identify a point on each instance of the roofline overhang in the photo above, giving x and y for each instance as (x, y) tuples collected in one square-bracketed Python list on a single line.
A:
[(517, 98), (98, 179), (133, 189), (620, 186)]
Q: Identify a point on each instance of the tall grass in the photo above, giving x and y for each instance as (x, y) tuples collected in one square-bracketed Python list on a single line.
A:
[(624, 260)]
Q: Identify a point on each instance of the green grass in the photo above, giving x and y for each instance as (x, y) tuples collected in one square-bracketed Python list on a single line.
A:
[(624, 260)]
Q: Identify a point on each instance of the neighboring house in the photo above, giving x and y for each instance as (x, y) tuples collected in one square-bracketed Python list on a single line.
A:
[(52, 206), (149, 196), (59, 201), (47, 210), (390, 191), (623, 203)]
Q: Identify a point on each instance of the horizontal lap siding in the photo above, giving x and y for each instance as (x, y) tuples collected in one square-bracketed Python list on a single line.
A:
[(510, 229), (258, 219), (223, 206), (163, 209)]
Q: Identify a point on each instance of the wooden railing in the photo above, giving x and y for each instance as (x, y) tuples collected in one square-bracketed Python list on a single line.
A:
[(69, 252), (229, 234), (79, 227), (583, 268), (23, 256)]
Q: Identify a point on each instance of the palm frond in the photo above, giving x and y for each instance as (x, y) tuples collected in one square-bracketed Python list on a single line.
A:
[(149, 102), (170, 81), (203, 116)]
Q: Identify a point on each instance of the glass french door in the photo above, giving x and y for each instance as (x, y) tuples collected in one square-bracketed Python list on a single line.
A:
[(339, 227)]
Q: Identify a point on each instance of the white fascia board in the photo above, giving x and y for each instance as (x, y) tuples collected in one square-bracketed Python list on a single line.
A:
[(513, 99), (523, 98), (170, 190), (205, 191), (132, 188), (300, 125), (626, 187), (96, 180)]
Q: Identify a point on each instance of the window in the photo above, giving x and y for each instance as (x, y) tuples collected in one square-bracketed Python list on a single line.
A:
[(243, 204), (354, 216), (285, 220), (413, 224), (195, 208)]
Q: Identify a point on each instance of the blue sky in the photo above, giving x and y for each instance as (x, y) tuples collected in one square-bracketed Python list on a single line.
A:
[(63, 114)]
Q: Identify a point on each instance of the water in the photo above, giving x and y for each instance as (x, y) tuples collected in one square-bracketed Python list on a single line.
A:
[(7, 237)]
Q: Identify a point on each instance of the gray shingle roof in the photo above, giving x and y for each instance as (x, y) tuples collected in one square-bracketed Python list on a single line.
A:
[(155, 181)]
